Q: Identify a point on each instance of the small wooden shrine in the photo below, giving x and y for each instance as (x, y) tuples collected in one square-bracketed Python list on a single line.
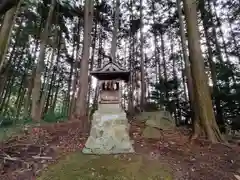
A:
[(109, 127), (110, 76)]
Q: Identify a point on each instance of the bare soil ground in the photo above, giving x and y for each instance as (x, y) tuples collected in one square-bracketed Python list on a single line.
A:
[(25, 156)]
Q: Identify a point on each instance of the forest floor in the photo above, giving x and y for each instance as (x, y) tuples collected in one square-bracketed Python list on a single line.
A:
[(54, 152)]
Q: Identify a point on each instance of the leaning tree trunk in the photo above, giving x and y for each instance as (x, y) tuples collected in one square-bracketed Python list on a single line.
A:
[(36, 102), (202, 95), (75, 74), (13, 78), (6, 31), (81, 109)]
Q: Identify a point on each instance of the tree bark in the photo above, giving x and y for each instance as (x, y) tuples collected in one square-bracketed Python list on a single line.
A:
[(27, 99), (115, 31), (81, 109), (76, 73), (36, 102), (143, 85), (200, 83), (6, 31), (164, 66), (212, 64), (91, 65)]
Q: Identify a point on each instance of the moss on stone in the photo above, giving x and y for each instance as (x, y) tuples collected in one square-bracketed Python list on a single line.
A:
[(78, 166)]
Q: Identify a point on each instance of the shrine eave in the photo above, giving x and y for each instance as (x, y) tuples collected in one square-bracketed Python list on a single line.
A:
[(121, 75)]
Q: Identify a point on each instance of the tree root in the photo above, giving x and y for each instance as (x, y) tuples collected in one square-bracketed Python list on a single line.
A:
[(8, 157), (193, 137), (42, 157)]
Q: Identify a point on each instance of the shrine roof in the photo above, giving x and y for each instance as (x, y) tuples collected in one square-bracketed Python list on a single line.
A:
[(111, 71)]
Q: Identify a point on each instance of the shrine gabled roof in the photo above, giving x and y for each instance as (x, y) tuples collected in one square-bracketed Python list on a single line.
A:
[(111, 71), (110, 67)]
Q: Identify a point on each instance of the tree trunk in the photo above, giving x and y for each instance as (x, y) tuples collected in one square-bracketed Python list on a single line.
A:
[(49, 82), (131, 58), (30, 82), (115, 31), (143, 85), (54, 102), (22, 89), (6, 31), (29, 93), (81, 110), (76, 74), (91, 64), (70, 83), (212, 64), (200, 82), (99, 64), (193, 108), (19, 106), (14, 68), (156, 57), (164, 66), (176, 109), (36, 102)]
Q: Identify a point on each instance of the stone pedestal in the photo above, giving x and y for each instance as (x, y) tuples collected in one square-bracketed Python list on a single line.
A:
[(109, 132)]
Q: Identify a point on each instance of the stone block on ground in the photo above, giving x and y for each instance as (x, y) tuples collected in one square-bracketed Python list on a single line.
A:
[(155, 122), (109, 133), (144, 116), (151, 132), (161, 120), (160, 124)]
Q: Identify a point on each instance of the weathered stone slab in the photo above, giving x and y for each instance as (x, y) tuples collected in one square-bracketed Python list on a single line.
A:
[(161, 120), (156, 122), (109, 132), (152, 133)]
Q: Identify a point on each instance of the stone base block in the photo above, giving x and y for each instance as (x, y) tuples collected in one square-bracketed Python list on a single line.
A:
[(109, 133)]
